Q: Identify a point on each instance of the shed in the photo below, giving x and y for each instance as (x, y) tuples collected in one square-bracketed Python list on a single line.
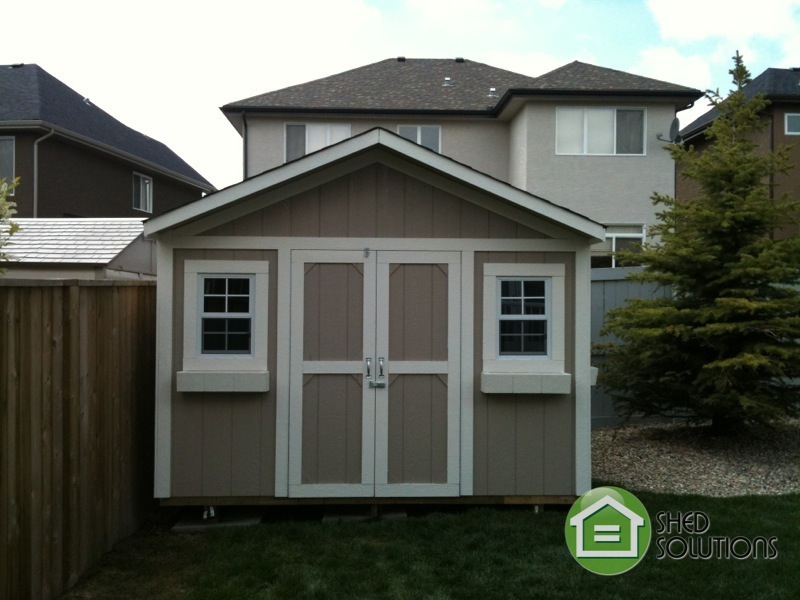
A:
[(373, 322)]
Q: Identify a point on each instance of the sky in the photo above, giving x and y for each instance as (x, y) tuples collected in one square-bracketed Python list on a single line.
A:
[(164, 67)]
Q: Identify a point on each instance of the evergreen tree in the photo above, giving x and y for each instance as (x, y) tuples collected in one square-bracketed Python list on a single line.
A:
[(726, 345)]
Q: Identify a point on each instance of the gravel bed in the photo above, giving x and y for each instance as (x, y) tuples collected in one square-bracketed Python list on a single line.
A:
[(685, 459)]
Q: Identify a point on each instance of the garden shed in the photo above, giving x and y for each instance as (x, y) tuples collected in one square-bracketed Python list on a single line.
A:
[(373, 322)]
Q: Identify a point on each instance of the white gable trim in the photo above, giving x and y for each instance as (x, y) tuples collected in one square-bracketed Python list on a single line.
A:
[(350, 148)]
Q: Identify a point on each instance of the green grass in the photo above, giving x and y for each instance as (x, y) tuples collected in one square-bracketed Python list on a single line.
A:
[(478, 553)]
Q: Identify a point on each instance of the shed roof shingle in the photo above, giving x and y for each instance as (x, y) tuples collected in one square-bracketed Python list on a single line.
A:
[(28, 93), (419, 85)]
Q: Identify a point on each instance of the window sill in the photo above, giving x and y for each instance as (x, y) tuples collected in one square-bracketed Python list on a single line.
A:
[(526, 383), (223, 381)]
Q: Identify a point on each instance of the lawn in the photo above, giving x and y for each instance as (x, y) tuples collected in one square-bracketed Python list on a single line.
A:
[(476, 553)]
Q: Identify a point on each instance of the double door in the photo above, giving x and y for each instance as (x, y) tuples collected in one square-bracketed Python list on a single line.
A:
[(374, 397)]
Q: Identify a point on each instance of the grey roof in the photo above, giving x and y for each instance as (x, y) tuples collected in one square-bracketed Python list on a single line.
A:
[(72, 241), (30, 95), (778, 85), (419, 86)]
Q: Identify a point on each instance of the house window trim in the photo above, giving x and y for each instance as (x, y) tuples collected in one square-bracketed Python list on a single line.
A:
[(10, 178), (306, 125), (193, 358), (137, 181), (419, 127), (786, 124), (585, 137), (554, 361)]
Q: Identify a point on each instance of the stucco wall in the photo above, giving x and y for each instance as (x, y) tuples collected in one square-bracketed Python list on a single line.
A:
[(608, 189)]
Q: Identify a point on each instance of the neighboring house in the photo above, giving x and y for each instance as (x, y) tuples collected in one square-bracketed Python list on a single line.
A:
[(373, 322), (782, 118), (75, 160), (80, 249), (585, 137)]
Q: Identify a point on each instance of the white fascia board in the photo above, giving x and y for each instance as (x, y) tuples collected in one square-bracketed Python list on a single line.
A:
[(259, 183), (373, 139)]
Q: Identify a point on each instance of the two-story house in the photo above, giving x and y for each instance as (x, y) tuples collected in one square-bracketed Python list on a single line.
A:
[(781, 128), (585, 137), (75, 160)]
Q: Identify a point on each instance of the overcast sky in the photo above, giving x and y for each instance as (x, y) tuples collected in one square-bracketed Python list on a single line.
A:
[(165, 67)]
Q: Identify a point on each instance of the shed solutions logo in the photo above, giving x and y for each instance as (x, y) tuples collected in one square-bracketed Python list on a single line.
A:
[(608, 530)]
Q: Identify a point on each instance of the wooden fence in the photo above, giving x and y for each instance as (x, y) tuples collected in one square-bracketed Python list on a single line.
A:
[(611, 289), (76, 426)]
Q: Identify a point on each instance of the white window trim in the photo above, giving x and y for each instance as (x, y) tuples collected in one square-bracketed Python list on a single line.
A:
[(137, 179), (419, 127), (10, 178), (224, 372), (585, 137), (493, 362), (786, 124)]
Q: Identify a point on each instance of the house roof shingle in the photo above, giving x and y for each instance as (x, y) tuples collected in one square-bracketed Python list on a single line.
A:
[(419, 86), (775, 84), (72, 241), (30, 95)]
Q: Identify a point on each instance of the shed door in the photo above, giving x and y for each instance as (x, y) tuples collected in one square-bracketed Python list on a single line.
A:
[(375, 374)]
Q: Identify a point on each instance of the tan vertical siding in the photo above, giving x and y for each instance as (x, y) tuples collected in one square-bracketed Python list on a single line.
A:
[(224, 444), (524, 445), (376, 201)]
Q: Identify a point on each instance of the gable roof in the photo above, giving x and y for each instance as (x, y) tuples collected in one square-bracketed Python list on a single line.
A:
[(30, 96), (419, 86), (72, 241), (778, 85), (375, 140)]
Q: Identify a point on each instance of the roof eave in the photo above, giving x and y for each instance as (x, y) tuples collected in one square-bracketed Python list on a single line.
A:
[(71, 135), (364, 142)]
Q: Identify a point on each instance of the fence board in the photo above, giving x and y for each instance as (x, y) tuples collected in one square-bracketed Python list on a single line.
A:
[(611, 289), (77, 376)]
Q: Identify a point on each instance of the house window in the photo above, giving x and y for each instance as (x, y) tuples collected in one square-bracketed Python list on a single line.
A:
[(142, 192), (305, 138), (523, 317), (7, 160), (793, 124), (600, 131), (226, 320), (424, 135), (618, 237)]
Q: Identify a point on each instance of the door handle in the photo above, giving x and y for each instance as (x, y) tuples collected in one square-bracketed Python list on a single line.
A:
[(380, 367), (369, 368)]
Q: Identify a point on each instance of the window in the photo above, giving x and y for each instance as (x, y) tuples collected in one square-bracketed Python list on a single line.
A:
[(225, 326), (600, 131), (618, 237), (523, 328), (142, 193), (305, 138), (424, 135), (226, 322), (7, 167), (793, 124), (523, 317)]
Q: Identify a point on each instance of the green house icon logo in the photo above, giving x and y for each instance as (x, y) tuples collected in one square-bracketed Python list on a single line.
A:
[(608, 530)]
